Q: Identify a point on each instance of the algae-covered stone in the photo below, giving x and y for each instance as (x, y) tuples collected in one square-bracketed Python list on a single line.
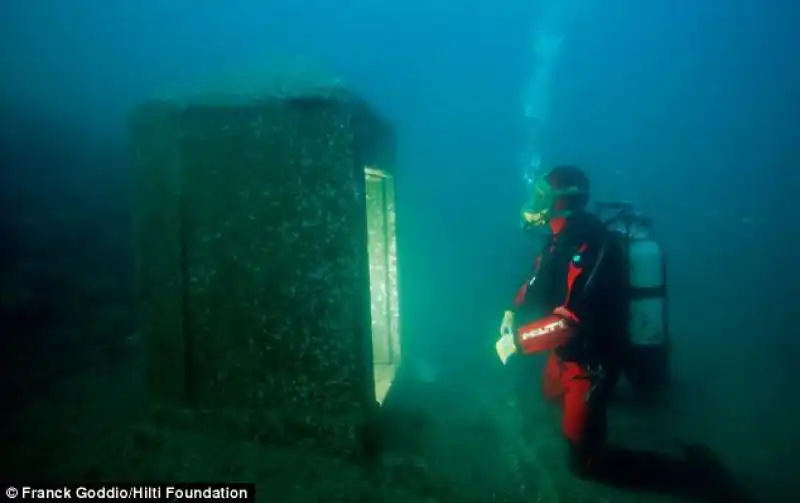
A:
[(253, 282)]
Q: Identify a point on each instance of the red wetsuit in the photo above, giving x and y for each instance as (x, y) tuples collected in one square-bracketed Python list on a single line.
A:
[(572, 307)]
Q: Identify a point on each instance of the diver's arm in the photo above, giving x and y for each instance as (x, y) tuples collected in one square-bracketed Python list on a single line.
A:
[(546, 333), (507, 325), (506, 345), (519, 298), (557, 328)]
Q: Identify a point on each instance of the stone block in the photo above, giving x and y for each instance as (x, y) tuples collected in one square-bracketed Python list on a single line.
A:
[(253, 274)]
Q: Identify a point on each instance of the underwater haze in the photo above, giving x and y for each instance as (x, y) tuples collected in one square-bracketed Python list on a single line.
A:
[(688, 110)]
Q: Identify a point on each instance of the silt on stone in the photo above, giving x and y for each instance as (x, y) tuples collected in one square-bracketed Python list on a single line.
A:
[(253, 262)]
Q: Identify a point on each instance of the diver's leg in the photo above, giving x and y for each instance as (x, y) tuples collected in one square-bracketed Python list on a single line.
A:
[(551, 381), (584, 415)]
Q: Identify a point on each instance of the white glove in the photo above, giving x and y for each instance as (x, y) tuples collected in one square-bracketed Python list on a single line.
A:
[(507, 325), (505, 347)]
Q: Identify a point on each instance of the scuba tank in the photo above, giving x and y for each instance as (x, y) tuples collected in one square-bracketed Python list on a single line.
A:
[(647, 367)]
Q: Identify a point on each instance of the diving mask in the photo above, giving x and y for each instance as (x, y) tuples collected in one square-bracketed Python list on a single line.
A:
[(547, 202), (535, 212)]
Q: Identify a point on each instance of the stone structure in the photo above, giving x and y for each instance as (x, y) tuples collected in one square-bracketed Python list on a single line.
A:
[(252, 260)]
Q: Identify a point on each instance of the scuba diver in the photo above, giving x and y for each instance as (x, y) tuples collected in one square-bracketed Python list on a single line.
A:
[(574, 307)]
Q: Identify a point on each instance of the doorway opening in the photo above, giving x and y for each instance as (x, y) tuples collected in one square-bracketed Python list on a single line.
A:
[(384, 302)]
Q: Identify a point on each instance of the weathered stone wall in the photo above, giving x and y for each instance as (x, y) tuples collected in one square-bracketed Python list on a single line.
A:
[(252, 268)]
